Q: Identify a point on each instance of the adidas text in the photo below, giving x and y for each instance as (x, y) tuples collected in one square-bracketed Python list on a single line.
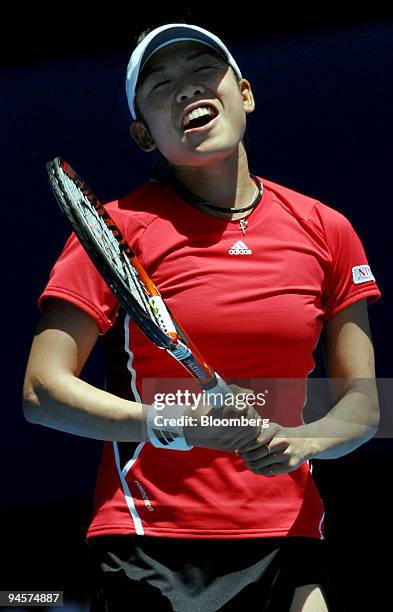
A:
[(239, 248)]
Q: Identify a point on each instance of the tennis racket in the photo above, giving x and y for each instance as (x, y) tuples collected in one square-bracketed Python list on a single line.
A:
[(123, 272)]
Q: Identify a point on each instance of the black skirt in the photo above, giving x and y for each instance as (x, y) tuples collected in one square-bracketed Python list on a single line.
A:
[(188, 575)]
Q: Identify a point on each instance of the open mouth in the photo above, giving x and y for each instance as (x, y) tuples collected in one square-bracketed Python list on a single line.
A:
[(199, 118)]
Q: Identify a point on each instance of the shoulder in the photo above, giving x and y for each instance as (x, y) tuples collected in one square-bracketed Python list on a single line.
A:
[(146, 202), (294, 202), (309, 210)]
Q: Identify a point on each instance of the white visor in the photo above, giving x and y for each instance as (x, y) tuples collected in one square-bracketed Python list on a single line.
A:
[(163, 36)]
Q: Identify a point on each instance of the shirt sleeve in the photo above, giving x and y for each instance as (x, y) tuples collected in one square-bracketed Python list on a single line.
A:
[(75, 278), (348, 276)]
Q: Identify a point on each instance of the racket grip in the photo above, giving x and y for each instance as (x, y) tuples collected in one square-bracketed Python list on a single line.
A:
[(217, 391)]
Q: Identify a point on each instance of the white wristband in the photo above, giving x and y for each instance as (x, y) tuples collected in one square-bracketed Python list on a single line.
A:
[(171, 436)]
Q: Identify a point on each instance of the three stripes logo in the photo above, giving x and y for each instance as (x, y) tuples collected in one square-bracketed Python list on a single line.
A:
[(239, 248)]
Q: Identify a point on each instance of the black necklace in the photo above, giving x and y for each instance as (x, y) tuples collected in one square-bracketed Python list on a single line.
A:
[(194, 199)]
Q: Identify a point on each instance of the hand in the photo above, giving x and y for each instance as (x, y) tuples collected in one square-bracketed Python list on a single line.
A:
[(220, 435), (280, 453)]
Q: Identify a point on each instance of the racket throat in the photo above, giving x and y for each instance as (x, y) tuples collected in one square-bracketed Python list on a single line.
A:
[(201, 371)]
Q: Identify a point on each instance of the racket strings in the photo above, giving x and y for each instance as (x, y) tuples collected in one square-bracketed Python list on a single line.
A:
[(109, 245), (93, 229), (123, 273)]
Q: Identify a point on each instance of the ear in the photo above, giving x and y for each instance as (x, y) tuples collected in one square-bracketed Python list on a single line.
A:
[(247, 95), (142, 137)]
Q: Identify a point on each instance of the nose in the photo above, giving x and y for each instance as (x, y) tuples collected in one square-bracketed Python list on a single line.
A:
[(189, 91)]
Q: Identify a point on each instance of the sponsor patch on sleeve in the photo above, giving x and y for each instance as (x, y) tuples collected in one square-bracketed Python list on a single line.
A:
[(362, 274)]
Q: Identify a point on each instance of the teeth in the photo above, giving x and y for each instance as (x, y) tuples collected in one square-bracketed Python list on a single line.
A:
[(198, 112)]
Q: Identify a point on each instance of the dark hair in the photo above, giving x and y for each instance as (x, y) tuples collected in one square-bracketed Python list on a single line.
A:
[(161, 168)]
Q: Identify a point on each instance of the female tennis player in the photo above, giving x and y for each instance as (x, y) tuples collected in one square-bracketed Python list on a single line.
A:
[(256, 273)]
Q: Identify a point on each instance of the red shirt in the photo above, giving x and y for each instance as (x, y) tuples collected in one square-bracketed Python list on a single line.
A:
[(255, 305)]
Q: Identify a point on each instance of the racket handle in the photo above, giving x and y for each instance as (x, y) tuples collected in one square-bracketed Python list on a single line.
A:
[(216, 393)]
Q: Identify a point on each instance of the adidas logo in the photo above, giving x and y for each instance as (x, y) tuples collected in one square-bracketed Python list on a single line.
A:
[(239, 248)]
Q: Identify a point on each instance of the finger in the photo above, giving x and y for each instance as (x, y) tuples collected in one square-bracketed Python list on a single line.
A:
[(263, 450), (267, 434), (258, 441), (247, 439), (275, 469), (253, 444), (267, 470), (261, 466), (236, 443), (238, 438), (271, 470), (254, 450), (262, 439)]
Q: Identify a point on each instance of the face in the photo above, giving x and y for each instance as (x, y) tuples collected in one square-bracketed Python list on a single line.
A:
[(193, 106)]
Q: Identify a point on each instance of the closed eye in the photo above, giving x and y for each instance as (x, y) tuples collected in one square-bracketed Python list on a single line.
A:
[(160, 84), (203, 68)]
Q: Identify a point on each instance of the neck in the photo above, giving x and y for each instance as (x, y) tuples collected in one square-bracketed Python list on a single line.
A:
[(226, 183)]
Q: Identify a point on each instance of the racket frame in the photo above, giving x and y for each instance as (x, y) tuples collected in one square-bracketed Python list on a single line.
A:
[(176, 342)]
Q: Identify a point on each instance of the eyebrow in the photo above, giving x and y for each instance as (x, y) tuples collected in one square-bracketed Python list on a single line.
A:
[(188, 59)]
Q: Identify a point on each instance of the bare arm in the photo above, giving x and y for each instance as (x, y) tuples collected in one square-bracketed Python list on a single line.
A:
[(53, 393), (349, 358)]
